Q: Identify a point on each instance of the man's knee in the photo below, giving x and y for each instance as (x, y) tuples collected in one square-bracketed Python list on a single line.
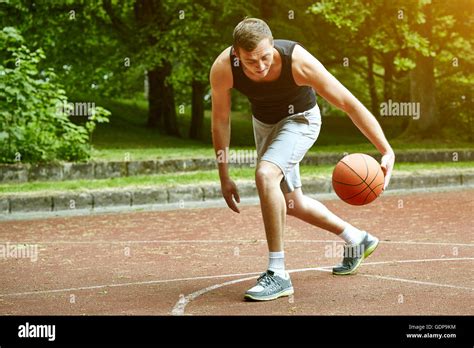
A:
[(267, 173)]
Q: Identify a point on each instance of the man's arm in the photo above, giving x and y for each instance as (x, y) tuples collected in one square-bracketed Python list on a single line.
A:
[(307, 70), (221, 83)]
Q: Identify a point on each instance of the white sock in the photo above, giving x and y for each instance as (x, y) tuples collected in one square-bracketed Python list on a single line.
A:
[(352, 235), (276, 263)]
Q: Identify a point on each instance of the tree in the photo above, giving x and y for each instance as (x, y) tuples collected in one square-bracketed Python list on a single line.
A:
[(34, 123), (83, 51), (405, 44), (422, 80), (447, 29), (145, 27), (206, 31)]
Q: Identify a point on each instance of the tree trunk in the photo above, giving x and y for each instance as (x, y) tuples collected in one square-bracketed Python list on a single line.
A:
[(375, 108), (161, 103), (155, 119), (169, 112), (388, 67), (422, 91), (422, 88), (197, 113), (266, 9)]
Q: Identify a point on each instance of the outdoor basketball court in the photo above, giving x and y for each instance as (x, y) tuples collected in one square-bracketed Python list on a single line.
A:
[(201, 261)]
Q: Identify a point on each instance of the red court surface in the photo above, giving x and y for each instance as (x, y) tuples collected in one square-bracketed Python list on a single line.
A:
[(201, 261)]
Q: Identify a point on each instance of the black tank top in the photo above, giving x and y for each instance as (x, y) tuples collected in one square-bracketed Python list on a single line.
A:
[(274, 100)]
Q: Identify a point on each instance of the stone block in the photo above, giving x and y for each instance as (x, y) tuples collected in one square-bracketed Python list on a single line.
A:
[(185, 194), (105, 170), (72, 201), (141, 168), (13, 173), (30, 204), (78, 171), (103, 199), (149, 196)]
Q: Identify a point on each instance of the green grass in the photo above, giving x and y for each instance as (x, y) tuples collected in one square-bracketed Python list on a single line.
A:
[(126, 136), (208, 176), (137, 154), (207, 151), (127, 129)]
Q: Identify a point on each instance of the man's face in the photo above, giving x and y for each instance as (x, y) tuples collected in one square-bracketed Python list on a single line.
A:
[(257, 62)]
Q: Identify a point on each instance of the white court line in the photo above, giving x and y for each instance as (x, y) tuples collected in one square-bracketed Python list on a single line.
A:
[(222, 241), (123, 284), (254, 274), (417, 282), (329, 269), (326, 269), (180, 306)]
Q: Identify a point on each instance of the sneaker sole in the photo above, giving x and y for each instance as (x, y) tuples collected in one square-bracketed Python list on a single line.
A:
[(351, 271), (367, 253), (371, 249), (283, 293)]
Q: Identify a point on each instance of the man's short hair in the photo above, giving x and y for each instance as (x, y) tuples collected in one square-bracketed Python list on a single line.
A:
[(249, 32)]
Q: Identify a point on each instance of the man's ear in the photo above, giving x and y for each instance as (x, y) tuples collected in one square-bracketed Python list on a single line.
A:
[(235, 52)]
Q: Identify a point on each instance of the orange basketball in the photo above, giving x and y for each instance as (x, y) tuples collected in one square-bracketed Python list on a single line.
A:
[(358, 179)]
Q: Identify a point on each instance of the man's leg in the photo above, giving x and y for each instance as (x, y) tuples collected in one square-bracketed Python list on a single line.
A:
[(272, 202), (360, 244), (275, 282), (313, 212)]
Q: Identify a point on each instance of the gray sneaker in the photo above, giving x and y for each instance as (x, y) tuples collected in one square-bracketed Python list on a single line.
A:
[(270, 287), (354, 255)]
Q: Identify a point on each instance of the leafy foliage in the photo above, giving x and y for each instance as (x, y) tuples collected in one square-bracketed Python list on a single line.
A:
[(34, 125), (394, 32), (102, 50)]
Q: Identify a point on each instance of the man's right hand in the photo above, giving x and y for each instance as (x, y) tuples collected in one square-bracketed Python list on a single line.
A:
[(231, 194)]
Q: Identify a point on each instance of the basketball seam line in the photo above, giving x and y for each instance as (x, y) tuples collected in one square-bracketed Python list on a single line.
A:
[(378, 169), (372, 191), (363, 180), (368, 185)]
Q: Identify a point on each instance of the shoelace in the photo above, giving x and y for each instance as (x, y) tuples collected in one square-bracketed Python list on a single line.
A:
[(265, 280), (350, 253)]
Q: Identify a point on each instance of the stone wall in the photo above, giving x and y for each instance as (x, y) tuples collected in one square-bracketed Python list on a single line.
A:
[(97, 199), (17, 173)]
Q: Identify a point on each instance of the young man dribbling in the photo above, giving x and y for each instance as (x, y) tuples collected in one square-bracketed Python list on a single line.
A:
[(279, 78)]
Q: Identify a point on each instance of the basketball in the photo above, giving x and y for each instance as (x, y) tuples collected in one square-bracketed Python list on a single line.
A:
[(358, 179)]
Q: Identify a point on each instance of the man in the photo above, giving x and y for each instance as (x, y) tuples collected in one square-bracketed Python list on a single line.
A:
[(279, 78)]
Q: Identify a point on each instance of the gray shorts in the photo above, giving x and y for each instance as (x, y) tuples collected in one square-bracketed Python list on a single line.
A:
[(286, 142)]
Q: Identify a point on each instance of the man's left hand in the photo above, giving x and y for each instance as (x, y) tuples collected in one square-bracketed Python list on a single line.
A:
[(387, 163)]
